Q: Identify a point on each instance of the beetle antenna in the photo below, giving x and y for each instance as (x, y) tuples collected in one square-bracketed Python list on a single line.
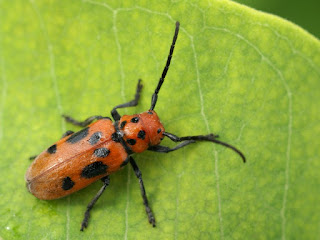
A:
[(231, 147), (210, 138), (165, 70)]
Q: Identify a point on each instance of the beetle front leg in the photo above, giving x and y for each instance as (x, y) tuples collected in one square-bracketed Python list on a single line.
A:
[(143, 192), (116, 116)]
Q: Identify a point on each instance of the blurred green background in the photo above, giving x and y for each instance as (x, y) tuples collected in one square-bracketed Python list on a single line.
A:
[(306, 13)]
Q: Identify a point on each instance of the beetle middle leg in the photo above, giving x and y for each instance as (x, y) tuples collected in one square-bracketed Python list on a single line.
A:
[(84, 224), (67, 133), (84, 123), (116, 116), (143, 192)]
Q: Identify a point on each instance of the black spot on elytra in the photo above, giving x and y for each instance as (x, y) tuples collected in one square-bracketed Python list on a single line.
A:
[(94, 169), (52, 149), (76, 137), (122, 124), (131, 141), (159, 130), (125, 162), (67, 183), (95, 138), (142, 134), (134, 120), (101, 152)]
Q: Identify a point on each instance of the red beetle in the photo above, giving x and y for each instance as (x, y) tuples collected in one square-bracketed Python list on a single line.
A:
[(104, 147)]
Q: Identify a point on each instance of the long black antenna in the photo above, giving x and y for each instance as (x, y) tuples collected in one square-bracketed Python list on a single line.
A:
[(165, 70), (210, 138), (231, 147)]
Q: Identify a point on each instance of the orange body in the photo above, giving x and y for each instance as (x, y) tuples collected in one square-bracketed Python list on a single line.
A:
[(86, 156)]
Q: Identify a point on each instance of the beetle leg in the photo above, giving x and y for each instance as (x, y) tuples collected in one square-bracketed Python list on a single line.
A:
[(84, 123), (84, 224), (143, 192), (33, 157), (116, 116), (67, 133)]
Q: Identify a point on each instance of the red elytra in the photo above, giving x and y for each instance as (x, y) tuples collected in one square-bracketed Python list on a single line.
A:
[(104, 147)]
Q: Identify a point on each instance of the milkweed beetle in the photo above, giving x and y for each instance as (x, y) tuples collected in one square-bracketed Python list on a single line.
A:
[(103, 147)]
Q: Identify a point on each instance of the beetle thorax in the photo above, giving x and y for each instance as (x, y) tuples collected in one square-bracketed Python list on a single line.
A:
[(141, 130)]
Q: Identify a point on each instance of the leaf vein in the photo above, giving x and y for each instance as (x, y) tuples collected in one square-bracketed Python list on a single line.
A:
[(290, 117), (3, 97), (44, 30)]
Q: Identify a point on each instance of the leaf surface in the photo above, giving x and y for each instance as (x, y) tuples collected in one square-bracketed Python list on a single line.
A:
[(250, 77)]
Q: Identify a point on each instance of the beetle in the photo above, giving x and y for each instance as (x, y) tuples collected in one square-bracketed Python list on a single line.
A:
[(103, 147)]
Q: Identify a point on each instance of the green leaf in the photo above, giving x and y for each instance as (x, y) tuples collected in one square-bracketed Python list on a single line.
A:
[(250, 77), (305, 13)]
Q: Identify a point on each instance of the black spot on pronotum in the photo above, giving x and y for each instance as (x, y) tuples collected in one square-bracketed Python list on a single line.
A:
[(95, 138), (76, 137), (94, 169), (134, 120), (141, 134), (131, 141), (101, 152), (67, 183), (159, 130), (52, 149), (122, 124)]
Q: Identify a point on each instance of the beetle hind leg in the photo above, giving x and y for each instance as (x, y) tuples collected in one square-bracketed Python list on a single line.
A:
[(85, 221)]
